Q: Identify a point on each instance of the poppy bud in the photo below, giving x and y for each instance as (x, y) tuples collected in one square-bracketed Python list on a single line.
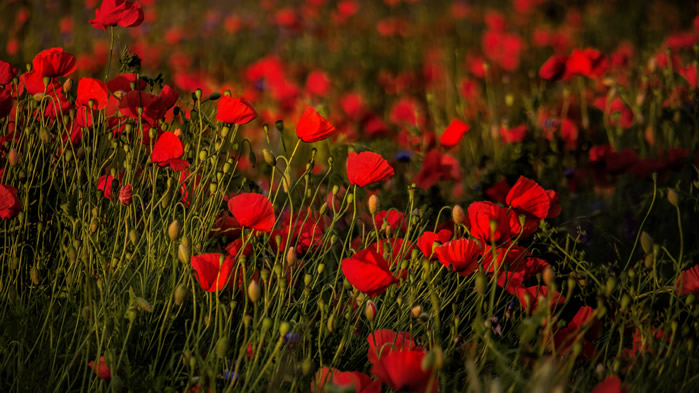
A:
[(350, 198), (173, 230), (269, 157), (611, 285), (647, 242), (254, 292), (331, 325), (291, 256), (370, 311), (266, 324), (279, 124), (284, 328), (648, 261), (571, 283), (480, 284), (549, 276), (458, 215), (373, 204), (321, 268), (13, 157), (307, 278), (415, 311), (197, 94), (509, 100), (183, 253), (34, 275), (306, 366), (143, 304), (222, 347), (181, 294), (625, 300), (323, 208), (672, 197)]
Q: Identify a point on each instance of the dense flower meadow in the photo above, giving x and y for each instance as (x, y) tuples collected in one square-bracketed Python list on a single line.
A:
[(349, 196)]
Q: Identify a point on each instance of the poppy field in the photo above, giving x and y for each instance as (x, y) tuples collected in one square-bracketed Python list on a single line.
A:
[(349, 196)]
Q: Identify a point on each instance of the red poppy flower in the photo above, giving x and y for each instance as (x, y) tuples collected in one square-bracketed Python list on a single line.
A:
[(395, 219), (312, 127), (402, 370), (453, 134), (383, 340), (235, 111), (10, 205), (105, 184), (368, 271), (233, 248), (53, 63), (587, 62), (688, 281), (167, 152), (367, 168), (123, 83), (611, 384), (6, 103), (459, 255), (480, 215), (318, 83), (252, 211), (529, 297), (528, 196), (427, 240), (92, 89), (7, 72), (125, 194), (512, 255), (214, 271), (513, 135), (101, 369), (117, 13), (359, 382), (565, 338), (554, 68)]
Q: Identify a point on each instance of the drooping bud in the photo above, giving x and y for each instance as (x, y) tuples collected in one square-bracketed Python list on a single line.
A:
[(13, 157), (269, 157), (183, 253)]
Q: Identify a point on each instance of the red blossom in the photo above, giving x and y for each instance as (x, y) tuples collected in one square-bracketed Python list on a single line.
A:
[(10, 205), (367, 168), (54, 62), (117, 13), (253, 211), (459, 255), (235, 111), (312, 127), (368, 271), (453, 134)]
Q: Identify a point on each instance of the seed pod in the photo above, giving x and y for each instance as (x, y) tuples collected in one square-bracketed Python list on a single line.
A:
[(173, 230)]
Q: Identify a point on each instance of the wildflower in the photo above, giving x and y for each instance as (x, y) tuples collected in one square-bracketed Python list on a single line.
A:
[(312, 127), (368, 271), (611, 384), (688, 281), (453, 134), (213, 270), (253, 211), (10, 205), (125, 195), (54, 62), (235, 111), (94, 90), (117, 13), (428, 239), (7, 72), (101, 369), (367, 168), (459, 255), (167, 152), (480, 215), (360, 382)]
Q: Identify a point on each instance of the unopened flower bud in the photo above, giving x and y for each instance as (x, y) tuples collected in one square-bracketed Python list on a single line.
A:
[(143, 304), (373, 204), (173, 230), (647, 242), (13, 157), (222, 347), (672, 197), (458, 215), (254, 292), (183, 253), (291, 256), (284, 328), (269, 157), (370, 311), (549, 276), (415, 311), (181, 294)]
